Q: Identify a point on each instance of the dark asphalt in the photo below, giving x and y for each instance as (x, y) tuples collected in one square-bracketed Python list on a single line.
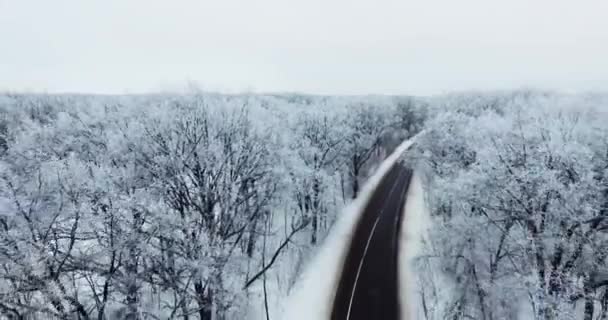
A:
[(369, 285)]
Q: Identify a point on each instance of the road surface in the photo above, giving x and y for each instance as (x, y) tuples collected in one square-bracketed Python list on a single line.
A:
[(368, 288)]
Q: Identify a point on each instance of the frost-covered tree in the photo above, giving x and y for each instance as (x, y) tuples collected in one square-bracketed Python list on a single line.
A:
[(205, 206), (518, 196)]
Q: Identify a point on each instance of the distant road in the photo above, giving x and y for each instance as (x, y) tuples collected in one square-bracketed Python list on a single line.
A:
[(368, 288)]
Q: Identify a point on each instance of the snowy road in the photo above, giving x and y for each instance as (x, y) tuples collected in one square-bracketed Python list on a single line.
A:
[(369, 281), (354, 273)]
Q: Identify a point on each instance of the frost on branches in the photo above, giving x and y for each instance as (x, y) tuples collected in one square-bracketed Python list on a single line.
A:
[(207, 206)]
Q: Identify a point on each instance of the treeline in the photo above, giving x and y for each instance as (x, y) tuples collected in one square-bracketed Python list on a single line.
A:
[(198, 206), (206, 206), (518, 189)]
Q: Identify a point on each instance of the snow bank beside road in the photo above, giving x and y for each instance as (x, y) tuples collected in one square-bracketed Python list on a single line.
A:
[(414, 230)]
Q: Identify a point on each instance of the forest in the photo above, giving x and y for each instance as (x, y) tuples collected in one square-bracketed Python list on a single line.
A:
[(208, 206)]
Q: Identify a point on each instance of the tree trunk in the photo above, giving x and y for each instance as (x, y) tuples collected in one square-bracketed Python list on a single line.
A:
[(604, 304), (316, 190), (131, 268), (355, 177), (218, 299), (252, 237), (131, 299), (315, 227), (589, 301), (204, 297), (185, 312)]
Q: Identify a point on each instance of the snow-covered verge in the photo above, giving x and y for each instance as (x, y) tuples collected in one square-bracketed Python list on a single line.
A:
[(413, 236)]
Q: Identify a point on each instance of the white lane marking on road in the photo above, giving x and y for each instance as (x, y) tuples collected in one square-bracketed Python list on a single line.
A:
[(352, 295)]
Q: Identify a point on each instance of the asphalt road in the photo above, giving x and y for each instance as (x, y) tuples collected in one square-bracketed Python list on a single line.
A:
[(369, 285)]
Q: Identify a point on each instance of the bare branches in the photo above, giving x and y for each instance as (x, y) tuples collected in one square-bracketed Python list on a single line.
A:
[(276, 254), (117, 205)]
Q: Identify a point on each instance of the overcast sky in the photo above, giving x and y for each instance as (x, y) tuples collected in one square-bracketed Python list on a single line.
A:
[(316, 46)]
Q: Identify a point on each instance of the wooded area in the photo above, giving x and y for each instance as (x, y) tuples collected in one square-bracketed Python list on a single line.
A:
[(207, 206)]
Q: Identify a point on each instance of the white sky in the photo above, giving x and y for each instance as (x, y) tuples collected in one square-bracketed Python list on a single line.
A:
[(315, 46)]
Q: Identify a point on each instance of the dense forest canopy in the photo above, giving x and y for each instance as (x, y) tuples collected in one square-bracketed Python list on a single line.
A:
[(207, 206)]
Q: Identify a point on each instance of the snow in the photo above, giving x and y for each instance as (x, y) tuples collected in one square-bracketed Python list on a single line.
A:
[(313, 293), (414, 229)]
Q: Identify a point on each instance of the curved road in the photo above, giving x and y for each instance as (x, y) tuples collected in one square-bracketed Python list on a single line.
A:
[(369, 287)]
